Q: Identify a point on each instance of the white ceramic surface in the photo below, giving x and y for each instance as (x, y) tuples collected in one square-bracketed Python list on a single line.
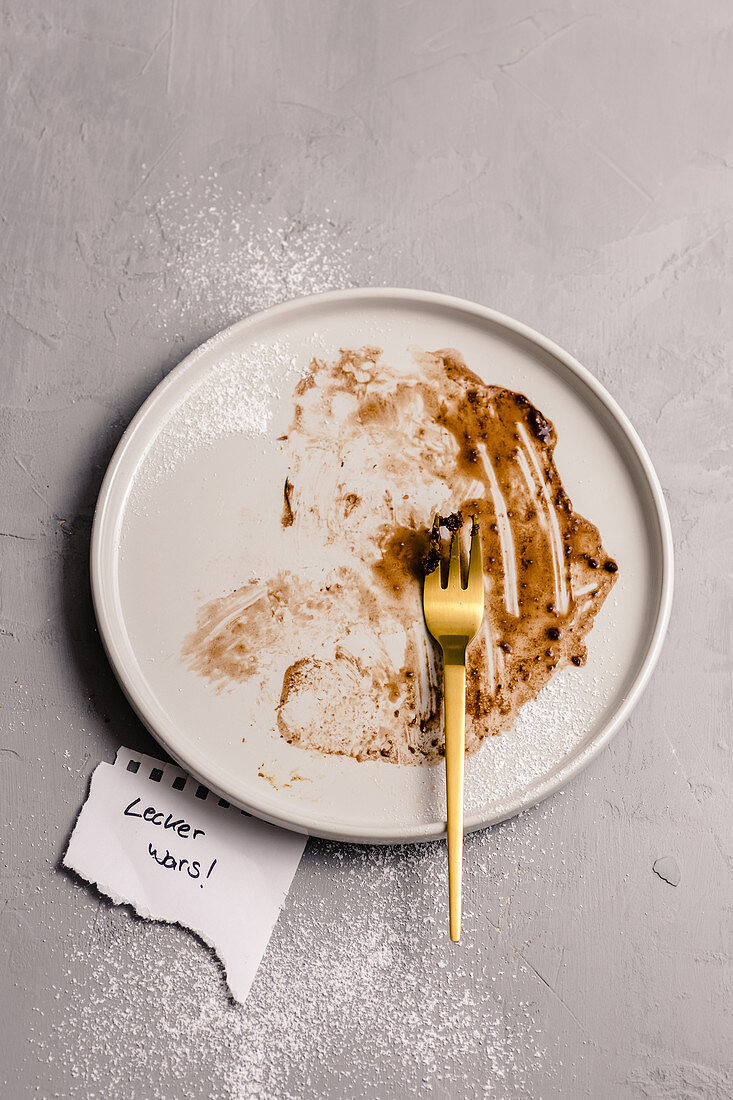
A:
[(185, 513)]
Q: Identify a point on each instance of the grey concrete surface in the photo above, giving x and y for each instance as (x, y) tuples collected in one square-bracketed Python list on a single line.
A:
[(169, 166)]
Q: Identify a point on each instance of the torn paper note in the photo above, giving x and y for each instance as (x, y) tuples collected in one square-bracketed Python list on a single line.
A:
[(150, 836)]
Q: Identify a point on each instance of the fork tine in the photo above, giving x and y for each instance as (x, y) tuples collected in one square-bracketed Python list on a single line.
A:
[(433, 580), (475, 563), (431, 584), (454, 572)]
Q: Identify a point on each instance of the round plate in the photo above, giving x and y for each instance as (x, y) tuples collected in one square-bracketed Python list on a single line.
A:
[(178, 521)]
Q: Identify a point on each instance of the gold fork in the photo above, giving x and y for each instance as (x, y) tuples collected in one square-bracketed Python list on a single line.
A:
[(453, 615)]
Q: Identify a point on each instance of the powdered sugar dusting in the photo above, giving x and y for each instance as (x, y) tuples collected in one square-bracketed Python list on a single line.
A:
[(331, 992), (547, 729), (222, 259), (235, 396)]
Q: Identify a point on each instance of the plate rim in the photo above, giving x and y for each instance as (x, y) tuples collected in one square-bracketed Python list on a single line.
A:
[(103, 544)]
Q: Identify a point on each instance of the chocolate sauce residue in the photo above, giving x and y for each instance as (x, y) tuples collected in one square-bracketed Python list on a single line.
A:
[(452, 523), (431, 561), (394, 450), (406, 554), (288, 514)]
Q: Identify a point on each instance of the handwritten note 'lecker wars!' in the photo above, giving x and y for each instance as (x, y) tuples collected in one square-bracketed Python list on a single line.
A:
[(152, 837)]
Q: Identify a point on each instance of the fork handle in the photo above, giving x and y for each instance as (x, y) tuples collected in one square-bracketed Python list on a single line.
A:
[(455, 746)]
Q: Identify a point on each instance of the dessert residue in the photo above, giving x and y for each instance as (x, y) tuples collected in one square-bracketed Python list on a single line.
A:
[(373, 455)]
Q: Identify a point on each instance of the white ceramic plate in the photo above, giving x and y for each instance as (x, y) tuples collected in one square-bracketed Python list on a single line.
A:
[(177, 521)]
